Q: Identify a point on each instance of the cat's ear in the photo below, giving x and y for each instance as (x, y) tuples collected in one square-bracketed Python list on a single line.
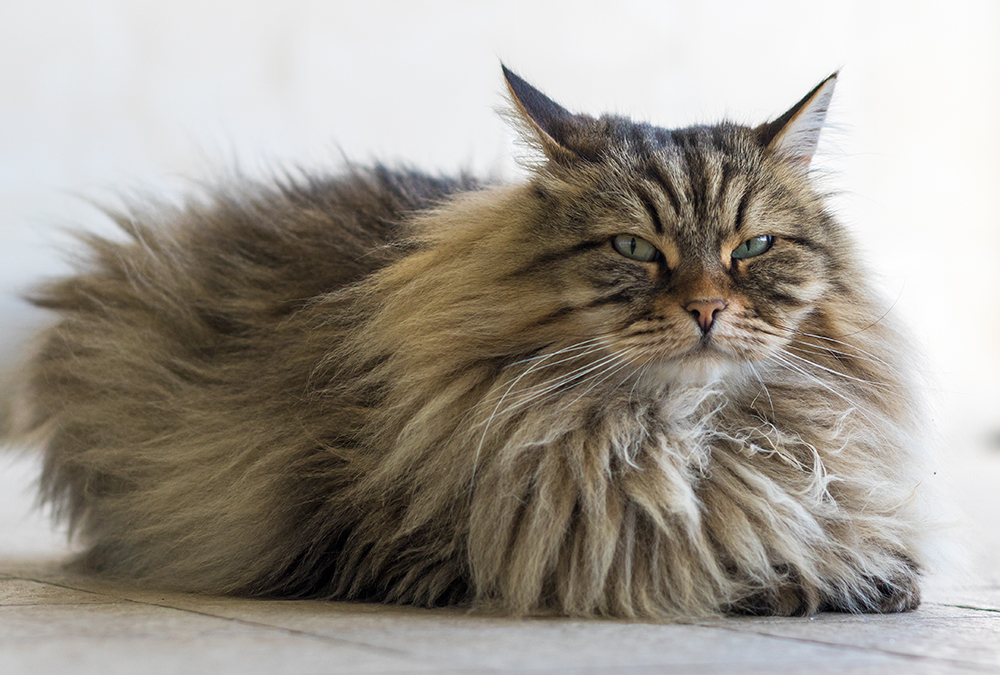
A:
[(553, 128), (794, 136)]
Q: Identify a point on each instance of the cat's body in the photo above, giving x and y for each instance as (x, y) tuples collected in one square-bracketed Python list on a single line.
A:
[(650, 381)]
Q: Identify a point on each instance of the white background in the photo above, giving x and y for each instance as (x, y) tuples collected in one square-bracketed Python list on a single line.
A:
[(103, 97)]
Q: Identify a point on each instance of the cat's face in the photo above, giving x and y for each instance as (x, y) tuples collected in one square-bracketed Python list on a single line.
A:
[(692, 251)]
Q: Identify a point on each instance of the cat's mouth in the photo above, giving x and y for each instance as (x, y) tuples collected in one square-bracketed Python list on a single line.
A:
[(706, 343), (712, 349), (706, 350)]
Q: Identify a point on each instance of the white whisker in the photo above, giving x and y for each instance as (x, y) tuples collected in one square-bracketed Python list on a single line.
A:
[(843, 344), (558, 383), (867, 414), (606, 376), (574, 347), (878, 385), (763, 386), (537, 367), (534, 366)]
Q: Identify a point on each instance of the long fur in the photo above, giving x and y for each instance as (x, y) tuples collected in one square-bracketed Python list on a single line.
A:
[(387, 386)]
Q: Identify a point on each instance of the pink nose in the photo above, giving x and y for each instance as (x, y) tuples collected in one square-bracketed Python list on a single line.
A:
[(704, 312)]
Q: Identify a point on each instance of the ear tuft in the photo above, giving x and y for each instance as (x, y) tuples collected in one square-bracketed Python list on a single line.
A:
[(795, 135), (551, 125)]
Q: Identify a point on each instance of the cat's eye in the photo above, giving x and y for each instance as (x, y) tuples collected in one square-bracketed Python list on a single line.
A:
[(753, 247), (635, 248)]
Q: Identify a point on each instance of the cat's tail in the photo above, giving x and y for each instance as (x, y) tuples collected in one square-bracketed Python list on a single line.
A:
[(14, 413), (16, 427), (5, 414), (8, 402), (18, 348)]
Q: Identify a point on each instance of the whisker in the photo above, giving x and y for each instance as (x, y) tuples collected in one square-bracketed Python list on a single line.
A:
[(573, 347), (475, 462), (840, 356), (558, 383), (642, 372), (843, 344), (878, 385), (537, 367), (867, 414), (763, 386), (594, 384), (860, 354)]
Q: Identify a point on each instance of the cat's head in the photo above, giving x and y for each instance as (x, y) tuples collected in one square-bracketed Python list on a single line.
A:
[(693, 248)]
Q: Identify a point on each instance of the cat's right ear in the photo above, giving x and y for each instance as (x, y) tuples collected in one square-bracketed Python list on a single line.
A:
[(551, 127)]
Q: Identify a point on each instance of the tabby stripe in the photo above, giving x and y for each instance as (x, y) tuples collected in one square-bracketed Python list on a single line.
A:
[(728, 173), (741, 210), (653, 213), (655, 174), (697, 174), (560, 254), (614, 298), (809, 244), (646, 331), (786, 299), (618, 297)]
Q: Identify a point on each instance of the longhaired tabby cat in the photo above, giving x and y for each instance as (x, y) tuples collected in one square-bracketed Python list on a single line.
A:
[(652, 381)]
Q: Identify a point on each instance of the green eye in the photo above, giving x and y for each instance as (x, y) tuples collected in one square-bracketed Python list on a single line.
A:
[(635, 248), (753, 247)]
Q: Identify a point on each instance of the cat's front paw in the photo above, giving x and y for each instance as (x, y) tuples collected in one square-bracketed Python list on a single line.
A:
[(895, 589), (897, 593), (788, 597), (791, 600), (899, 597)]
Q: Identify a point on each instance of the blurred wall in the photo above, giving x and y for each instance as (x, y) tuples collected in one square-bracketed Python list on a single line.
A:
[(100, 97)]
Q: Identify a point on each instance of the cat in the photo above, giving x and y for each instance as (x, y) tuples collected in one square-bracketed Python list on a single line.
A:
[(649, 381)]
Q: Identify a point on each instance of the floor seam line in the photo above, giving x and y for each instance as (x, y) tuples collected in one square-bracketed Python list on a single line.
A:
[(62, 585), (876, 650), (247, 622), (283, 629), (973, 607), (59, 604)]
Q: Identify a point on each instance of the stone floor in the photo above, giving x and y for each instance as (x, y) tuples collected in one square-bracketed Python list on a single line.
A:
[(53, 623)]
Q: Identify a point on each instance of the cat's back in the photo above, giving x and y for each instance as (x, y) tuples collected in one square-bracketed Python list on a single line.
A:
[(250, 252)]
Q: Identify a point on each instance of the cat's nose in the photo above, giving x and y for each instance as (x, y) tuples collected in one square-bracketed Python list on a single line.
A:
[(704, 312)]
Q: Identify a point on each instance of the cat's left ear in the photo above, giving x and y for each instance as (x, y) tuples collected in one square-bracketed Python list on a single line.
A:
[(560, 134), (794, 136)]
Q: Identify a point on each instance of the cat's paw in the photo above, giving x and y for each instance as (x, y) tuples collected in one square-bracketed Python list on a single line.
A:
[(788, 599), (891, 593), (898, 596), (786, 602), (899, 593)]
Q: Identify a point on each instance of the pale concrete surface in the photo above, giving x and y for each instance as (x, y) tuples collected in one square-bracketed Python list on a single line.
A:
[(54, 623)]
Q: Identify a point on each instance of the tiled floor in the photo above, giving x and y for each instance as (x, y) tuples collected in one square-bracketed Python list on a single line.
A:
[(53, 623)]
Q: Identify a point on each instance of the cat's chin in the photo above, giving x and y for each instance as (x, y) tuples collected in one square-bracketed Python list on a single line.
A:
[(701, 369)]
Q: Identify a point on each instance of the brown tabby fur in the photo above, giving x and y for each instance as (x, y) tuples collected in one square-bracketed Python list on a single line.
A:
[(388, 386)]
